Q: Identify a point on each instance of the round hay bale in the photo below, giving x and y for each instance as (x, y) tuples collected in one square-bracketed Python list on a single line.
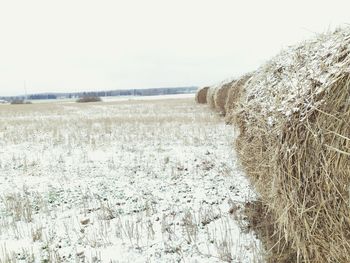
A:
[(201, 95), (220, 96), (234, 93), (294, 142), (210, 96)]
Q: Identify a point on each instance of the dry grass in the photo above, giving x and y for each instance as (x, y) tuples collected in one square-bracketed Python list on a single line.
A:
[(201, 95), (299, 159), (262, 222)]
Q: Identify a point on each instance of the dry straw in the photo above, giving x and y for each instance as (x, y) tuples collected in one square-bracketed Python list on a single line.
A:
[(220, 96), (201, 95), (234, 93), (210, 96), (294, 142)]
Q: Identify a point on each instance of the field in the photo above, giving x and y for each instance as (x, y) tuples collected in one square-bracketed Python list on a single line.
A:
[(121, 181)]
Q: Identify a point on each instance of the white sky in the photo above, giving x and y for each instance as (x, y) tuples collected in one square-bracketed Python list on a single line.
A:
[(74, 45)]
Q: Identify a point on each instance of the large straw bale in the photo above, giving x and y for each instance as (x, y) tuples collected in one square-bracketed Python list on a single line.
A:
[(294, 142), (234, 94), (201, 95), (210, 96), (220, 96)]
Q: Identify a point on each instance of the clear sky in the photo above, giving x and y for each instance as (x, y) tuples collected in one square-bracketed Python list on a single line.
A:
[(75, 45)]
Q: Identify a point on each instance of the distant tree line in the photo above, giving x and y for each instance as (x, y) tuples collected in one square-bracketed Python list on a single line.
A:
[(124, 92), (42, 96)]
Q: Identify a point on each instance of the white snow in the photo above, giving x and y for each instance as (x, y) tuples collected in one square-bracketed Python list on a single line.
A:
[(290, 81)]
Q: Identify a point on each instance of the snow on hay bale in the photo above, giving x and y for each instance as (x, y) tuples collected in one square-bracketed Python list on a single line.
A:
[(220, 96), (234, 94), (201, 95), (294, 143)]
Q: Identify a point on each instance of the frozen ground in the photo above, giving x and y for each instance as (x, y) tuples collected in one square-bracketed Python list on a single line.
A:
[(127, 181)]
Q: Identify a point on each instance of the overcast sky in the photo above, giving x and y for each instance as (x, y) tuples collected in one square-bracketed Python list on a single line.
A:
[(74, 45)]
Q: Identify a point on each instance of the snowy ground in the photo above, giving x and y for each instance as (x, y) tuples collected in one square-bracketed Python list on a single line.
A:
[(121, 98), (127, 181)]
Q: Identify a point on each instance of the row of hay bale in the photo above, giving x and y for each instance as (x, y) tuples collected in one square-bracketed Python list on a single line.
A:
[(201, 95), (293, 114), (222, 97), (211, 96)]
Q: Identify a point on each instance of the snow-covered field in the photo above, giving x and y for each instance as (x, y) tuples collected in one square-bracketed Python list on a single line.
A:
[(121, 98), (125, 181)]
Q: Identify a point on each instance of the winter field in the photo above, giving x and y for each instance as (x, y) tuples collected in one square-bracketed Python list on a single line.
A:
[(121, 181)]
